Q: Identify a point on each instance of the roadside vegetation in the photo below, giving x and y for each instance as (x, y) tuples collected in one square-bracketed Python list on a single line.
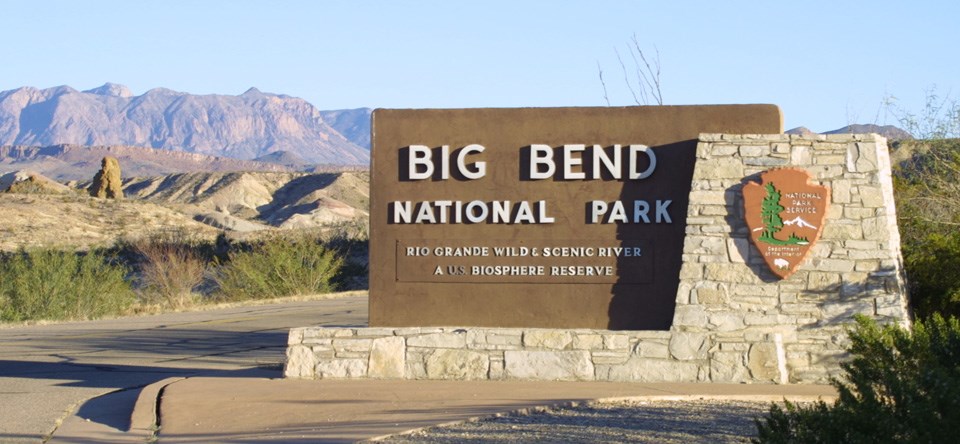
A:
[(899, 386), (277, 267), (903, 385), (928, 208), (176, 269), (53, 284)]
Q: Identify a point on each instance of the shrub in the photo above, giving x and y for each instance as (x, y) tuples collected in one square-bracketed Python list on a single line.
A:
[(927, 190), (171, 266), (932, 262), (900, 387), (278, 267), (354, 248), (52, 284)]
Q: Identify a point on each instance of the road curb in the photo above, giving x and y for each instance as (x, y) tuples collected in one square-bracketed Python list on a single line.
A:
[(145, 417)]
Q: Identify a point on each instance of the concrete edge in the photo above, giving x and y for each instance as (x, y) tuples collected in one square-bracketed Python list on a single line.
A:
[(144, 417), (654, 398)]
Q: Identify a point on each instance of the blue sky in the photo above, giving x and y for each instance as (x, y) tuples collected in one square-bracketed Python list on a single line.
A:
[(827, 64)]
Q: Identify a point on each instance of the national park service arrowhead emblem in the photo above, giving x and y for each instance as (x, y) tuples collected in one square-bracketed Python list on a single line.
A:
[(785, 214)]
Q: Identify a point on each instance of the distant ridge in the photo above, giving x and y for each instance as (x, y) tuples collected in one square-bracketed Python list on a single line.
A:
[(801, 131), (73, 162), (354, 124), (286, 159), (889, 131), (247, 126)]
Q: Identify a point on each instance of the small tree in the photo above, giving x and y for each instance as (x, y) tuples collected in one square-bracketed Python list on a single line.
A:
[(770, 210)]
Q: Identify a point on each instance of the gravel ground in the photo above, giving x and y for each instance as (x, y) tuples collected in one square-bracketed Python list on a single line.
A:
[(707, 421)]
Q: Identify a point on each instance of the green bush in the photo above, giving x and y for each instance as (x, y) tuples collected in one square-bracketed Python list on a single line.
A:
[(278, 267), (900, 387), (55, 285), (932, 263), (927, 190)]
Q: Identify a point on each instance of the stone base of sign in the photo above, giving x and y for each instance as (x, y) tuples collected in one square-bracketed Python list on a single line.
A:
[(734, 322), (539, 354)]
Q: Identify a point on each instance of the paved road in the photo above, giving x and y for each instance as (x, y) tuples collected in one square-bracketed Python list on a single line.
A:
[(49, 372)]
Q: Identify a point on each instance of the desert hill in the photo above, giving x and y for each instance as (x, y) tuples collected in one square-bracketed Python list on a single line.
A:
[(36, 211), (247, 126), (76, 220), (284, 200), (31, 182)]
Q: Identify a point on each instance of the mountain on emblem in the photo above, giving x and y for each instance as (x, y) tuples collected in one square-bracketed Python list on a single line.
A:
[(798, 221), (785, 214)]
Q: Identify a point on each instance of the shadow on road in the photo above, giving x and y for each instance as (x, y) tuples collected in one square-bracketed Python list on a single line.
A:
[(106, 363), (47, 369), (112, 375), (113, 409)]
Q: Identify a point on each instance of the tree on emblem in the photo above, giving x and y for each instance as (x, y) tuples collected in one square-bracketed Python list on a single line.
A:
[(770, 210)]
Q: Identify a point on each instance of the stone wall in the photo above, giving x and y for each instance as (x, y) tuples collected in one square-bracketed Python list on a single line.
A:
[(728, 295), (497, 353), (735, 321)]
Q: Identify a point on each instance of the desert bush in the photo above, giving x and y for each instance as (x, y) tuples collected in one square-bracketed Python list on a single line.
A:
[(28, 187), (277, 267), (898, 387), (351, 242), (53, 284), (927, 192), (932, 262), (172, 264)]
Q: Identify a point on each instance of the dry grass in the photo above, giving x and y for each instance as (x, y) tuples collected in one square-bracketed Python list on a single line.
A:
[(172, 267), (143, 309), (37, 220)]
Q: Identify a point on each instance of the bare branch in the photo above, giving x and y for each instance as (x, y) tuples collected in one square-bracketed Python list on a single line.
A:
[(604, 84), (647, 71), (651, 75), (641, 77), (626, 77)]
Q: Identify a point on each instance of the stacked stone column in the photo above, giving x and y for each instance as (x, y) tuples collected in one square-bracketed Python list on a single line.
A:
[(756, 326)]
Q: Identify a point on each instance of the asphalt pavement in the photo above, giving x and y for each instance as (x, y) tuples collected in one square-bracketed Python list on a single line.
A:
[(51, 373), (216, 376)]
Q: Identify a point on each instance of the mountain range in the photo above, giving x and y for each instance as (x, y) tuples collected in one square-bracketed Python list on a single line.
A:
[(247, 126), (62, 133)]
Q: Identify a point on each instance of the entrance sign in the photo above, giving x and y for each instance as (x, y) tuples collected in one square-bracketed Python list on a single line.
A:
[(785, 214), (536, 217), (435, 283)]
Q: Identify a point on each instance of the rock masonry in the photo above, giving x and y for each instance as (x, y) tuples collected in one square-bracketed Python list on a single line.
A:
[(735, 321)]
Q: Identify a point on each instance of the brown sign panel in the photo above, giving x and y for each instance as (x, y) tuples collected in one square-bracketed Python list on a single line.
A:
[(536, 217), (785, 214)]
